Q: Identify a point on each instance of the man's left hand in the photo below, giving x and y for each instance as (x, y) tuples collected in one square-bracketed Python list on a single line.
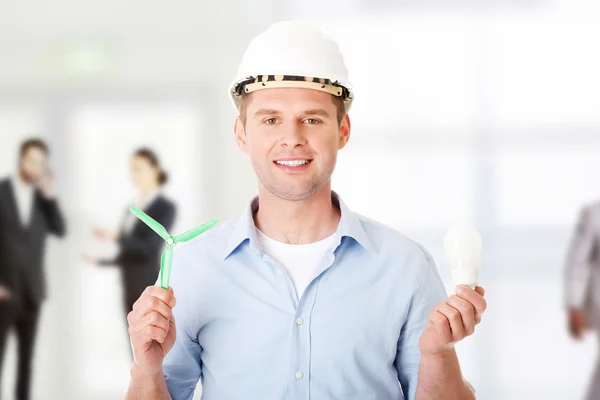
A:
[(452, 320), (46, 184)]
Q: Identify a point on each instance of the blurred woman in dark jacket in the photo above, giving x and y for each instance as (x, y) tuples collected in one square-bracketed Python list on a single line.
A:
[(139, 246)]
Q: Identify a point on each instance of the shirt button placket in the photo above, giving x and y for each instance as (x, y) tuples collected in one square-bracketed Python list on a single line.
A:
[(303, 351)]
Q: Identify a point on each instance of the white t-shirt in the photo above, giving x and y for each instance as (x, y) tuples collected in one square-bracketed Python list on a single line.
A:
[(299, 260)]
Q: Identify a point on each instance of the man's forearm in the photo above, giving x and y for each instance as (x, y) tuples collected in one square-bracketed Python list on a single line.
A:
[(147, 387), (440, 378)]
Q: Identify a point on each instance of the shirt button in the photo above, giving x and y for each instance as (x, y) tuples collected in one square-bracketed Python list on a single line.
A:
[(299, 321), (299, 375)]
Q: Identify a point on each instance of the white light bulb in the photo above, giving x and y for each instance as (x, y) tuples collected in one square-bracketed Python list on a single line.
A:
[(462, 245)]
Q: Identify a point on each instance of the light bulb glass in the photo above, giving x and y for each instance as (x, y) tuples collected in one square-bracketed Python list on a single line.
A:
[(462, 245)]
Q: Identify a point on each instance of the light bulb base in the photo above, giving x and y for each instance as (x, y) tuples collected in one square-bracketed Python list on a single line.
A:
[(468, 277)]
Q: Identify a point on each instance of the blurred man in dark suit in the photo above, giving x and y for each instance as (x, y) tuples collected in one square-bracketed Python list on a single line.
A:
[(28, 213)]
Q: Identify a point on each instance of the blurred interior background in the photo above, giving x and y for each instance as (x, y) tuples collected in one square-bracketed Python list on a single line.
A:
[(480, 111)]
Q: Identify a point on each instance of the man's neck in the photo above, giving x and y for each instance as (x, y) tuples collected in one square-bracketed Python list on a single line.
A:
[(21, 179), (297, 222)]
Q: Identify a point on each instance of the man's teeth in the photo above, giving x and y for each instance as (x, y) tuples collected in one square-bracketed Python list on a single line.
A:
[(292, 163)]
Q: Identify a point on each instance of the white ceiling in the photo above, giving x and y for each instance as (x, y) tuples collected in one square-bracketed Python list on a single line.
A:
[(184, 42), (133, 19), (139, 41)]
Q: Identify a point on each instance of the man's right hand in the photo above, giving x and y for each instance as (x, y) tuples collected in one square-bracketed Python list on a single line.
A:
[(4, 293), (577, 325), (152, 329)]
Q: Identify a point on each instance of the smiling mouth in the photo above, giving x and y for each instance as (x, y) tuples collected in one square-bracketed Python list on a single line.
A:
[(292, 163)]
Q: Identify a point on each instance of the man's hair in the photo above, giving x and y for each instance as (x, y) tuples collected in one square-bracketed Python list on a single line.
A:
[(338, 101), (33, 143)]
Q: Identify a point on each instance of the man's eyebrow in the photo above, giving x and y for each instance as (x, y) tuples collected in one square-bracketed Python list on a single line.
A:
[(266, 111), (319, 112)]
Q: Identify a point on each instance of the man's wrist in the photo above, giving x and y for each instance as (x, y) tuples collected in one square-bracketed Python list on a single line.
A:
[(147, 385), (443, 366), (441, 355), (137, 373)]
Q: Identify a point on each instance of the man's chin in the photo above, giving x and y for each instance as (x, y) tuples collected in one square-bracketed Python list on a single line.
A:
[(295, 197), (297, 194), (29, 179)]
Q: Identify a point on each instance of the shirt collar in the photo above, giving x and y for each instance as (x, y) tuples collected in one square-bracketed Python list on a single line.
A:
[(349, 226), (21, 185)]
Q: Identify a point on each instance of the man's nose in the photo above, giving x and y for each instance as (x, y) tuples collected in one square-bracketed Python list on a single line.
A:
[(292, 136)]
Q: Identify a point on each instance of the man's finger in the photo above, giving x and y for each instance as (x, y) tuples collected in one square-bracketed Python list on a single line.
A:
[(442, 326), (467, 312), (165, 296), (153, 304), (473, 297), (455, 320), (480, 290), (152, 333), (153, 319)]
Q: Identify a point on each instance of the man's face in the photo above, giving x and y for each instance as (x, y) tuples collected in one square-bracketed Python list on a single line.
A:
[(33, 164), (292, 136)]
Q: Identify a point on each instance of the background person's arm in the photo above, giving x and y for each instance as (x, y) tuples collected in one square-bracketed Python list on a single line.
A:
[(577, 273)]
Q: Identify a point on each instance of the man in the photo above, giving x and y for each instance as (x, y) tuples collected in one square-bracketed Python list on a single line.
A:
[(28, 213), (582, 282), (300, 298)]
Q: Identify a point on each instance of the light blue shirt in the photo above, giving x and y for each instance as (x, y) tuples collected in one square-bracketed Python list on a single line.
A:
[(353, 335)]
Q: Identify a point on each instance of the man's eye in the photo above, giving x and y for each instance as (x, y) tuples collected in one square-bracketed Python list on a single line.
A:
[(271, 121), (311, 121)]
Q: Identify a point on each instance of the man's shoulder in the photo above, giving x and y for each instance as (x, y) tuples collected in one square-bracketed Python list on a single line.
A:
[(592, 207), (403, 257), (198, 261), (212, 241), (388, 239), (4, 184), (590, 213)]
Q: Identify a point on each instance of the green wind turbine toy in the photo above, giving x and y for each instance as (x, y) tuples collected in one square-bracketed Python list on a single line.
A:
[(167, 255)]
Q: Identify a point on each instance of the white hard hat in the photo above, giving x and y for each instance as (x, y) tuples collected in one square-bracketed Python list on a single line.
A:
[(292, 54)]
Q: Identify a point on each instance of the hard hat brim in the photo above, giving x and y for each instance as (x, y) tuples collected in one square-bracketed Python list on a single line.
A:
[(241, 87)]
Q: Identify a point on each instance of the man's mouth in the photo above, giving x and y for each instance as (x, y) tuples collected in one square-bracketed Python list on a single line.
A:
[(292, 163)]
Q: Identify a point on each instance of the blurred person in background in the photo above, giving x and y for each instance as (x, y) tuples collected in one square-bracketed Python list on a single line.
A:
[(301, 297), (139, 247), (29, 212), (582, 282)]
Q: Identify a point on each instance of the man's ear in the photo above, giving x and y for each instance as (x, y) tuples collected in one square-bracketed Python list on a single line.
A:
[(344, 132), (239, 132)]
